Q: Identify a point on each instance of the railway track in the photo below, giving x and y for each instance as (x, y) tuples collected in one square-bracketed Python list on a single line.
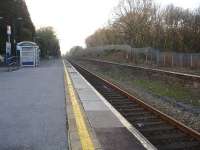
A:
[(161, 130), (184, 76)]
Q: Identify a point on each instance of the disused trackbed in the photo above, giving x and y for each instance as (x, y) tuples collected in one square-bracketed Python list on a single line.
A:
[(183, 76), (161, 130)]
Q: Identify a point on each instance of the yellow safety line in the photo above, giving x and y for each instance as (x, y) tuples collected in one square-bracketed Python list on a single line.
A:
[(85, 138)]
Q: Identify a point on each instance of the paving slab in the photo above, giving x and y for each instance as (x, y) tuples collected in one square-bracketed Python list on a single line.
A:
[(103, 119), (32, 108), (117, 139), (94, 106), (86, 95), (80, 85)]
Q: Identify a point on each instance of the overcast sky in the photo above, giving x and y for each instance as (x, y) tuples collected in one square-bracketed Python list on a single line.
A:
[(74, 20)]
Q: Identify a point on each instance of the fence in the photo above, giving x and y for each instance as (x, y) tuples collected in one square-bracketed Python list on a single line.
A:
[(169, 59), (149, 56)]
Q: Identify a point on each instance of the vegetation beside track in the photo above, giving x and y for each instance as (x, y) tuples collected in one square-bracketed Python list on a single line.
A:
[(171, 90), (176, 91)]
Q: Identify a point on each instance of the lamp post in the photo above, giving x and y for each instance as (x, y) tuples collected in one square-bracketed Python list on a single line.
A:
[(8, 44), (15, 21), (1, 18), (14, 28), (16, 39)]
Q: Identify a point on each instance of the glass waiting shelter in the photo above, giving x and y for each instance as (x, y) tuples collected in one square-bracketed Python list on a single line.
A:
[(29, 53)]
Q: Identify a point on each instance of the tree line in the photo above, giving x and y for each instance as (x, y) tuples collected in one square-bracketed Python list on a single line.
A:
[(143, 23), (48, 42), (15, 13)]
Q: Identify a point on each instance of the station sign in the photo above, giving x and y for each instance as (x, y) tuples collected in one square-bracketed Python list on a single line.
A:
[(9, 30)]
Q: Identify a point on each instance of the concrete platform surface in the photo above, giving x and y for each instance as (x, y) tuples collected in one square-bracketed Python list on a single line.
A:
[(110, 132), (32, 108)]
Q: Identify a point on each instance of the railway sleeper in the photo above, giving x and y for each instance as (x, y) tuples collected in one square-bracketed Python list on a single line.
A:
[(129, 110), (171, 140), (141, 113), (161, 128), (127, 107), (143, 118), (121, 101), (111, 94), (137, 125), (151, 123), (189, 145), (115, 97), (124, 104), (100, 90), (165, 137), (119, 98)]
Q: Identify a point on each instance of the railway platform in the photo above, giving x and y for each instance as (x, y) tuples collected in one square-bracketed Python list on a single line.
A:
[(32, 108), (93, 122)]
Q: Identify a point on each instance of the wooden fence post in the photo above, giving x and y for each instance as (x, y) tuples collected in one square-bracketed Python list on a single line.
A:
[(191, 61), (164, 59), (146, 58)]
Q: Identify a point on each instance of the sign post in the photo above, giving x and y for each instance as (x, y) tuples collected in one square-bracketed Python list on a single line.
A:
[(9, 32), (8, 48), (8, 44)]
